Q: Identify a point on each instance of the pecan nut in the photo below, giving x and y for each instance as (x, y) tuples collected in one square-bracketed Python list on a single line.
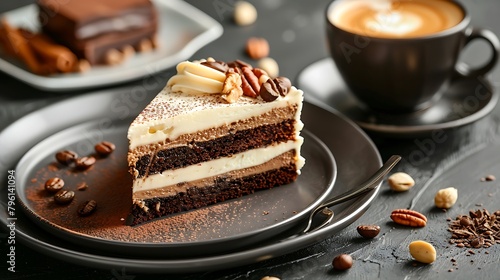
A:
[(249, 82), (408, 218)]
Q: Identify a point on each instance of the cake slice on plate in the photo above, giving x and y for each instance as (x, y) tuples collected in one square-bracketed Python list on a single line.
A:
[(217, 131), (100, 31)]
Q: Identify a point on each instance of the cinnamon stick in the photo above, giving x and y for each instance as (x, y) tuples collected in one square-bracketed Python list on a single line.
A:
[(15, 44), (54, 55)]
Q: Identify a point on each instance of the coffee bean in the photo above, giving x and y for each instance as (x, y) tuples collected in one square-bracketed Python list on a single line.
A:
[(368, 231), (283, 84), (342, 262), (66, 157), (54, 184), (64, 196), (268, 91), (105, 148), (490, 178), (87, 208), (84, 162)]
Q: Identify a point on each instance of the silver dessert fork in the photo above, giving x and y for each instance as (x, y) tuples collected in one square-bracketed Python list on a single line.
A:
[(368, 185)]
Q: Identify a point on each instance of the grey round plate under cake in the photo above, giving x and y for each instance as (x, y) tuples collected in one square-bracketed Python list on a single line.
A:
[(466, 100), (352, 149), (220, 228)]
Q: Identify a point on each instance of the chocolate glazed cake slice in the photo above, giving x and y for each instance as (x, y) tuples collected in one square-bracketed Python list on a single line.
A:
[(100, 31), (203, 139)]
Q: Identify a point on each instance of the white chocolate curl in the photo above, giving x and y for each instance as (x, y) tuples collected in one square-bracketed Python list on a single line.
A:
[(194, 76)]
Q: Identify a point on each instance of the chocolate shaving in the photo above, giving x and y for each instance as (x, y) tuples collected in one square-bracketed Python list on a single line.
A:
[(477, 230)]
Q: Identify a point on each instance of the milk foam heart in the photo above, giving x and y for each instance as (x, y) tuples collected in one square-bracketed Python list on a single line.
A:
[(395, 18)]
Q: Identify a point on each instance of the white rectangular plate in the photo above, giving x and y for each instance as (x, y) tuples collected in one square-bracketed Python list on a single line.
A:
[(182, 31)]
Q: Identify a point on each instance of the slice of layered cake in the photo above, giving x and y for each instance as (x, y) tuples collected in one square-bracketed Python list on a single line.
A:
[(217, 131)]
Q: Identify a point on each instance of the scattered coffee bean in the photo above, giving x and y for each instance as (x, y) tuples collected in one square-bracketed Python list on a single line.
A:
[(64, 196), (342, 262), (84, 162), (87, 208), (490, 178), (66, 157), (105, 148), (82, 186), (54, 184), (368, 231)]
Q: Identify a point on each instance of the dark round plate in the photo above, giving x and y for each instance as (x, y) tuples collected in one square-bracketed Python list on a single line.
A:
[(355, 154), (465, 101), (223, 227)]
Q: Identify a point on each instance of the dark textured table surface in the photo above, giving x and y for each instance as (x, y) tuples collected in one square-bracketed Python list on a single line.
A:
[(295, 30)]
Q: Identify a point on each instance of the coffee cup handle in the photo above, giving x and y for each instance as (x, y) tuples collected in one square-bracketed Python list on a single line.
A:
[(465, 70)]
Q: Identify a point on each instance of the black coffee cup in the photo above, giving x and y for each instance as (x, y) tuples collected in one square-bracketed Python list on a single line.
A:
[(400, 75)]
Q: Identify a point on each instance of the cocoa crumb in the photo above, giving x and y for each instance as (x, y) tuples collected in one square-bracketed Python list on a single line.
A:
[(82, 186), (479, 229)]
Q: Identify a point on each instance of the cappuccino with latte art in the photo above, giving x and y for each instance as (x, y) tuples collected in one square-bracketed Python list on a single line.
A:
[(396, 18), (400, 56)]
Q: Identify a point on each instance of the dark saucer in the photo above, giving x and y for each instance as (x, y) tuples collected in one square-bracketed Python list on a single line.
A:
[(466, 101)]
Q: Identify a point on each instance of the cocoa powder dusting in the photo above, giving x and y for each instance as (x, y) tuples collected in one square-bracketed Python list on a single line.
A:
[(111, 189)]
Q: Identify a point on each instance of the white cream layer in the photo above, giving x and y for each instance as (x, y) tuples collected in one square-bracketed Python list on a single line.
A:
[(173, 114), (216, 167)]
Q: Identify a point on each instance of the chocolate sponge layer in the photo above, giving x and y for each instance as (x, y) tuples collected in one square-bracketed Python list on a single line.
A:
[(222, 190), (196, 152)]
